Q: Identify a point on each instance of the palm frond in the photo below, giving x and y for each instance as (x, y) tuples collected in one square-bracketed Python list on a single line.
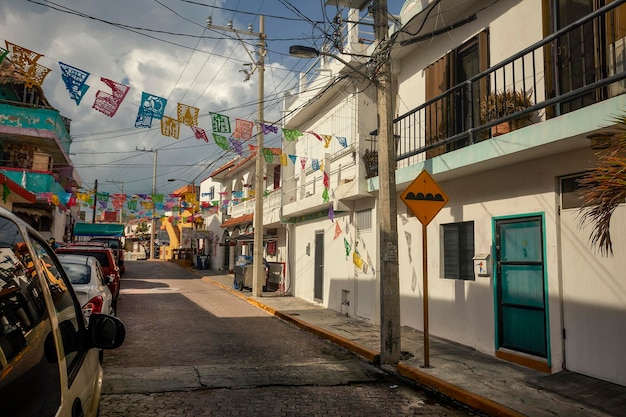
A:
[(604, 188)]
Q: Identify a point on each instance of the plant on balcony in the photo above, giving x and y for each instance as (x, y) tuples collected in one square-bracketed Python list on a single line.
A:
[(370, 159), (505, 103)]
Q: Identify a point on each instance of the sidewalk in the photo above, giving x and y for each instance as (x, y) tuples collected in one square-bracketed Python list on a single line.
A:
[(483, 382)]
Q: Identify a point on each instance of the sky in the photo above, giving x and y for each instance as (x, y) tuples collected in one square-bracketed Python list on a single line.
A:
[(163, 47)]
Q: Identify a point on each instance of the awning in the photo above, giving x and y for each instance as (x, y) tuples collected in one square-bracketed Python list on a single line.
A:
[(249, 238), (98, 229), (234, 221)]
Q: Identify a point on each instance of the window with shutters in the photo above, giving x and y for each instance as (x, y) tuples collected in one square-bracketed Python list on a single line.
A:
[(458, 250), (453, 111)]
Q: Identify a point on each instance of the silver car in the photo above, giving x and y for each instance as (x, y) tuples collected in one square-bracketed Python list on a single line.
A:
[(89, 282), (49, 358)]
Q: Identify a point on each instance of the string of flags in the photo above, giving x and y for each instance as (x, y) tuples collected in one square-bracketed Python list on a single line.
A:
[(152, 108)]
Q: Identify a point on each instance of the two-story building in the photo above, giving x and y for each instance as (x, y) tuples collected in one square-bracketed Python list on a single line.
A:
[(34, 155), (232, 188), (511, 271)]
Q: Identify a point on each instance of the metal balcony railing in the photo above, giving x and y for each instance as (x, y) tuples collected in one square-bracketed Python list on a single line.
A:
[(580, 64)]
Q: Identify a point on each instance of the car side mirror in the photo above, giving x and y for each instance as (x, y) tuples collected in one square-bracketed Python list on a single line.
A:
[(106, 332)]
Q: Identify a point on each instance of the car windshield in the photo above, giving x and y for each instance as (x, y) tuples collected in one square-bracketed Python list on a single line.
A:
[(78, 273), (102, 257)]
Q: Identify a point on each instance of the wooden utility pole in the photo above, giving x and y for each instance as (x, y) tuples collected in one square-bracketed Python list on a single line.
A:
[(390, 348)]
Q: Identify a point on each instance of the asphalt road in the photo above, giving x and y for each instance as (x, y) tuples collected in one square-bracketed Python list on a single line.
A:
[(193, 349)]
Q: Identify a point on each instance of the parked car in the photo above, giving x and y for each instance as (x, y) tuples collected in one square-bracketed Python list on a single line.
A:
[(90, 284), (105, 256), (40, 319), (118, 249)]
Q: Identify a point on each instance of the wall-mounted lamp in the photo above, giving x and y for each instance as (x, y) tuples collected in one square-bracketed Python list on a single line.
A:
[(600, 140)]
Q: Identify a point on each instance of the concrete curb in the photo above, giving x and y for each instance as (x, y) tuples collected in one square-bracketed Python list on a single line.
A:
[(455, 392)]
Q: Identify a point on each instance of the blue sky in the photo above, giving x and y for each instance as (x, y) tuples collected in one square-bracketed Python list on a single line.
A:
[(164, 48)]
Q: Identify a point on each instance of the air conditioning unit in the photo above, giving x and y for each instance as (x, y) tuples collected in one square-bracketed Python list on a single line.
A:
[(42, 162), (617, 64)]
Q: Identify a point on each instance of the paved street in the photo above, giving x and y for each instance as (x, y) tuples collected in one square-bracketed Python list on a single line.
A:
[(193, 349)]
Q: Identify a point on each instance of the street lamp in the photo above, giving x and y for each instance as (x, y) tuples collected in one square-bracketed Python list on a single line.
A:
[(389, 279)]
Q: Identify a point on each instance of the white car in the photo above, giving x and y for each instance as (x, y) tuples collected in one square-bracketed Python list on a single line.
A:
[(49, 359), (89, 283)]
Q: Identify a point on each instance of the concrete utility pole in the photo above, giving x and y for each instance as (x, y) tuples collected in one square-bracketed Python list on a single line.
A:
[(259, 189), (390, 348)]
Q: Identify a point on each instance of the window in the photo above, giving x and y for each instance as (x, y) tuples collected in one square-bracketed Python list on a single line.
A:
[(571, 194), (458, 250), (364, 220), (454, 112)]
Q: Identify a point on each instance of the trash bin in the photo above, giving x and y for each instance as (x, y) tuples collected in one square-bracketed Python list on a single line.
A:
[(239, 271)]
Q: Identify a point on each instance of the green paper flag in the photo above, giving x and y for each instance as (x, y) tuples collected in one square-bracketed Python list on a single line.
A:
[(325, 195), (268, 155), (346, 244), (221, 141)]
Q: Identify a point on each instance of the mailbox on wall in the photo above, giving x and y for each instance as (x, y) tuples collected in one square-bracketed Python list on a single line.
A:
[(482, 264)]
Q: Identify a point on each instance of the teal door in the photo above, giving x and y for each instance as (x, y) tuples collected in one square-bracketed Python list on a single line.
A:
[(520, 285)]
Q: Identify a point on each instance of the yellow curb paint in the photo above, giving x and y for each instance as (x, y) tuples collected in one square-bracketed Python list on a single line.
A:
[(474, 401)]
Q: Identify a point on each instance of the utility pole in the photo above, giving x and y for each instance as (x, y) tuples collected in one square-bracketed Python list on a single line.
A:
[(390, 349), (259, 189), (95, 201), (154, 173), (121, 184)]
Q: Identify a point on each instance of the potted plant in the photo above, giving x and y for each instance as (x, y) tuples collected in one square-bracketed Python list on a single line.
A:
[(370, 159), (505, 103)]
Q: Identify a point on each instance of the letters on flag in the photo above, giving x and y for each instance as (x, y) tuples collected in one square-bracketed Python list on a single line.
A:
[(220, 123)]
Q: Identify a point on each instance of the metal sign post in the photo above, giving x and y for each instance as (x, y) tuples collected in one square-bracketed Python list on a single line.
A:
[(425, 199)]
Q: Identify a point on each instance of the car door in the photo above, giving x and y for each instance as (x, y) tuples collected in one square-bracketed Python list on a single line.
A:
[(30, 377), (80, 370)]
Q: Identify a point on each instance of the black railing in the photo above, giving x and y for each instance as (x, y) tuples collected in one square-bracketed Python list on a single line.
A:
[(578, 65)]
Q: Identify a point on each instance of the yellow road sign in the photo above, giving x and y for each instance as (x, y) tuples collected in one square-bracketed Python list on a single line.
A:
[(424, 197)]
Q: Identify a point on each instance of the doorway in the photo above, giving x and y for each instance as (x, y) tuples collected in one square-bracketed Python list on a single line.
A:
[(318, 280), (521, 314)]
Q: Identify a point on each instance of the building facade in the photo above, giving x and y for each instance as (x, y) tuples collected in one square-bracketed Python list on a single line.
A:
[(35, 164), (511, 272)]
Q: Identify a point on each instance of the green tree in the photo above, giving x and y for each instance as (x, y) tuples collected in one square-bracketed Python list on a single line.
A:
[(604, 188), (144, 236)]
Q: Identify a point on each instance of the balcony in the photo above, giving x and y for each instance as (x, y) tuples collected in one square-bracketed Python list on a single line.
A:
[(42, 128), (569, 94)]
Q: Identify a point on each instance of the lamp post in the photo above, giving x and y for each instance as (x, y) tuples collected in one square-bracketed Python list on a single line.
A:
[(387, 204), (258, 267)]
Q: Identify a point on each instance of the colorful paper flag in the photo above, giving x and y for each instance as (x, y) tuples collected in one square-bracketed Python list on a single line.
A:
[(221, 141), (337, 230), (268, 129), (243, 129), (25, 61), (187, 115), (109, 103), (220, 123), (74, 80), (152, 107), (199, 133), (268, 155), (291, 134), (170, 127)]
